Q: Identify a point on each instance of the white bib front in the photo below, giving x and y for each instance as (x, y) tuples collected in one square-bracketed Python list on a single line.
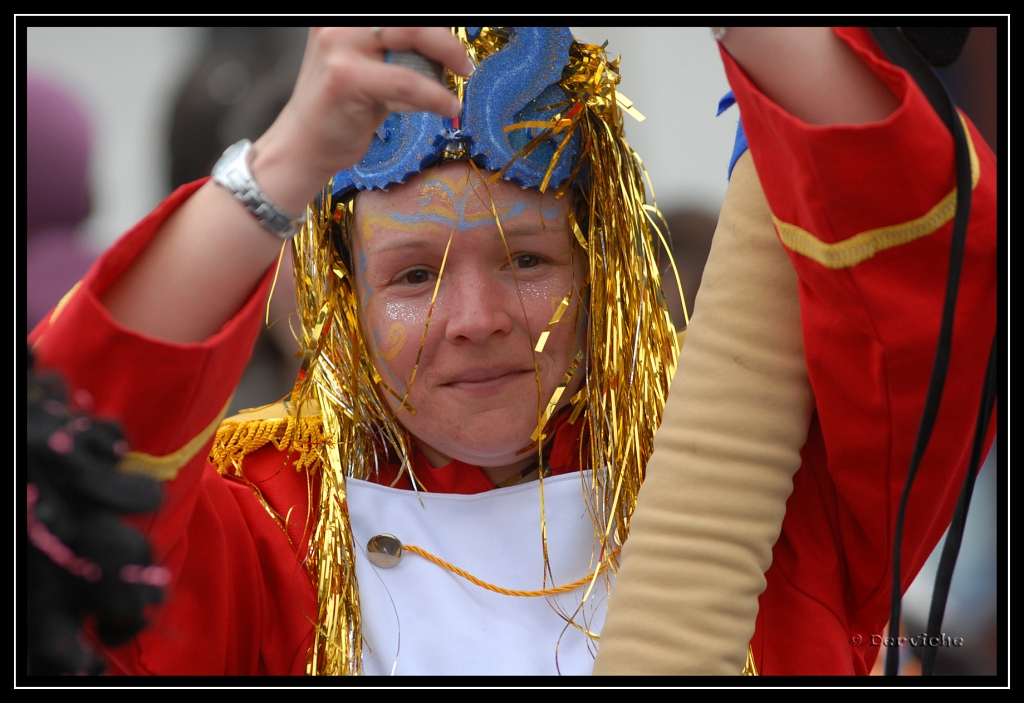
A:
[(420, 618)]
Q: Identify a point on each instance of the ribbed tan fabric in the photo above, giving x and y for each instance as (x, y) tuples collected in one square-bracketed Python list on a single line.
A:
[(711, 508)]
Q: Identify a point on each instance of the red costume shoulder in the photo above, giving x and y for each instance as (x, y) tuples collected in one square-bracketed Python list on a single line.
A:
[(865, 213)]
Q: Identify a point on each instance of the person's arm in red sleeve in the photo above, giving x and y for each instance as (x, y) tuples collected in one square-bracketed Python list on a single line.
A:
[(168, 398), (859, 176), (865, 211)]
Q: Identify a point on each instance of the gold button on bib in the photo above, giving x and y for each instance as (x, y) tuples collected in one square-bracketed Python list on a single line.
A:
[(384, 550)]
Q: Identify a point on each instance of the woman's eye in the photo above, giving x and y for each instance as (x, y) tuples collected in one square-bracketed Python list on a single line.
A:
[(417, 277), (526, 261)]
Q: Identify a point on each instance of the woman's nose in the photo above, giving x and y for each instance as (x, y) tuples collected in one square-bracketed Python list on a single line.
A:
[(476, 306)]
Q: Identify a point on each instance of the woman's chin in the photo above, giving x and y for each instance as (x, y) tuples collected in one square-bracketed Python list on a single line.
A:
[(494, 452)]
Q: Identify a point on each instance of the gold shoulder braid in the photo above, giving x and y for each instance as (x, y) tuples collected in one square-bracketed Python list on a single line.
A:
[(630, 358), (247, 432)]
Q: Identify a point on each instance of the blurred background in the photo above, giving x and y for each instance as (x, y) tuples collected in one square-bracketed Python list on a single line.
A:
[(144, 110)]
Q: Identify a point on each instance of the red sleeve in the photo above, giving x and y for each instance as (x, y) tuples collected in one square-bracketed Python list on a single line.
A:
[(865, 212), (227, 558), (163, 394)]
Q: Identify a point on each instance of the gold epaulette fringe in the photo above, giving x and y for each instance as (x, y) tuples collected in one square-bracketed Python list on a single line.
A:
[(243, 434)]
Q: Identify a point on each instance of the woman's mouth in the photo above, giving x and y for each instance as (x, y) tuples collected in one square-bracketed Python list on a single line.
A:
[(486, 380)]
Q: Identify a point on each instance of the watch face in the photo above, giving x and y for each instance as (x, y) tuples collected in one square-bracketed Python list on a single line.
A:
[(232, 172), (232, 154)]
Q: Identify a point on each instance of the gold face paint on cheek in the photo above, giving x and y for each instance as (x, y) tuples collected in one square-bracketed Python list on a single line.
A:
[(398, 318), (395, 341)]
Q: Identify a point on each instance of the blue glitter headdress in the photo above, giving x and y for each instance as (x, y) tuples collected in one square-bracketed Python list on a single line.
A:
[(516, 85)]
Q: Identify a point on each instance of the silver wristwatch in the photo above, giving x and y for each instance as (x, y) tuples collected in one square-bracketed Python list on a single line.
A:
[(232, 172)]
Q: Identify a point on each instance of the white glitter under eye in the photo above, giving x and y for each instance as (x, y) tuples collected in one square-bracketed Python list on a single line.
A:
[(403, 312)]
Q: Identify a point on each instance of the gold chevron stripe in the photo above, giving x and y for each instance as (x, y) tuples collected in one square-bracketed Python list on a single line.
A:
[(165, 468), (64, 301), (863, 246)]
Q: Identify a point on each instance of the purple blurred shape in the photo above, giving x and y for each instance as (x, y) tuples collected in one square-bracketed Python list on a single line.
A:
[(59, 144)]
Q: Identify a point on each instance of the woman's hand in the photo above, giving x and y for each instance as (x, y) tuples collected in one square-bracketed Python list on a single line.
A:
[(343, 93)]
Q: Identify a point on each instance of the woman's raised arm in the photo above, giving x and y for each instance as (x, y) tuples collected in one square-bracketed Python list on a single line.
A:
[(209, 255)]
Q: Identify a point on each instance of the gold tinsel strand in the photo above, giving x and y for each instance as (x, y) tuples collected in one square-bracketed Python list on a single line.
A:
[(630, 358), (632, 347), (337, 380)]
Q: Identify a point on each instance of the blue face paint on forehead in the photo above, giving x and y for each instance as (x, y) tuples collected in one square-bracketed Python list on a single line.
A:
[(518, 83), (456, 216), (461, 224)]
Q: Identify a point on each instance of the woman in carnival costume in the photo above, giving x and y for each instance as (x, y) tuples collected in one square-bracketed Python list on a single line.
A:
[(480, 306)]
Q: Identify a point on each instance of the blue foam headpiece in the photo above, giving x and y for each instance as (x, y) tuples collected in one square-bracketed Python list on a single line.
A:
[(518, 83)]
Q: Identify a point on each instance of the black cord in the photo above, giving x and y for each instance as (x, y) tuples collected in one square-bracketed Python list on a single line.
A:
[(901, 53), (951, 549)]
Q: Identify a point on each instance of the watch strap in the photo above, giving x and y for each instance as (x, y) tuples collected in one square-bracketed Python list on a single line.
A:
[(232, 172)]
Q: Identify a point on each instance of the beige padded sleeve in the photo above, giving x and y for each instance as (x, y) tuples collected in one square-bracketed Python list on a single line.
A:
[(712, 504)]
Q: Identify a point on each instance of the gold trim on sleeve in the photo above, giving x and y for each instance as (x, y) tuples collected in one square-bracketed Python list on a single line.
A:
[(57, 311), (64, 301), (863, 246), (165, 468)]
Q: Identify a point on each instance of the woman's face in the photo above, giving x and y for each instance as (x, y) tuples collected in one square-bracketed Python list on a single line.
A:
[(475, 391)]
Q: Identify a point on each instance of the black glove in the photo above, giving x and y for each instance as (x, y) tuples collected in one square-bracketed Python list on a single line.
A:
[(82, 561)]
